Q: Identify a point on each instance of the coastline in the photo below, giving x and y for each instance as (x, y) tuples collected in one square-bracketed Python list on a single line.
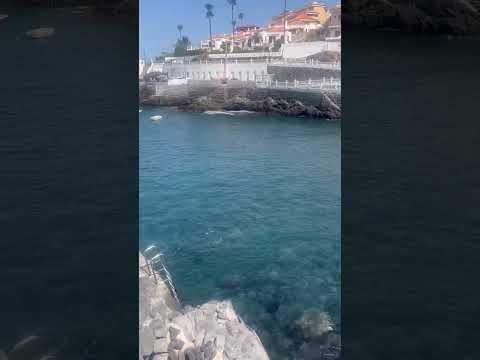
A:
[(168, 330), (244, 97)]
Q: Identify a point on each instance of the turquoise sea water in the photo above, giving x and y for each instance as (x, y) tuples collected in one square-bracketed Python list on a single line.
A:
[(246, 208)]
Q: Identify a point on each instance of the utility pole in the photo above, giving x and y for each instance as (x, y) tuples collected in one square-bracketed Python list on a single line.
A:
[(225, 61)]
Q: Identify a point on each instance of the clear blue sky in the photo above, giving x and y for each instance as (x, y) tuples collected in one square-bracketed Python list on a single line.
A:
[(159, 19)]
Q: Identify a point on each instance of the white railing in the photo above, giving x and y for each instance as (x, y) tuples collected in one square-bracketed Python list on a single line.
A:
[(229, 61), (246, 55), (310, 63), (324, 84)]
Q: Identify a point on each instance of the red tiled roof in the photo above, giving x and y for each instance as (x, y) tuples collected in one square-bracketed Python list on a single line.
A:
[(294, 17), (220, 36), (273, 29)]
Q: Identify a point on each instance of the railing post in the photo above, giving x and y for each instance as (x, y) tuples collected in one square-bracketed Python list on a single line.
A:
[(276, 83)]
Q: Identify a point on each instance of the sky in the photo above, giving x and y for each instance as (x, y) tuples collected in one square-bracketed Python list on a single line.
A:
[(159, 19)]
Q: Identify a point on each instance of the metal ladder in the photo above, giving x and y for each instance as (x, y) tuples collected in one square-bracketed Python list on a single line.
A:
[(156, 266)]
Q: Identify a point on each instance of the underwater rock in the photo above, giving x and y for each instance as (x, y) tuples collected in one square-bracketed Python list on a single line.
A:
[(314, 323), (40, 33)]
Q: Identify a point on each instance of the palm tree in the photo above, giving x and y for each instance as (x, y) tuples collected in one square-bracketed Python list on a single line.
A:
[(180, 28), (210, 15), (233, 3), (234, 24), (241, 16), (285, 23), (182, 45)]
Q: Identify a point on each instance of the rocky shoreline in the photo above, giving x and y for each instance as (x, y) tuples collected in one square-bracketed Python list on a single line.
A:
[(168, 331), (289, 102)]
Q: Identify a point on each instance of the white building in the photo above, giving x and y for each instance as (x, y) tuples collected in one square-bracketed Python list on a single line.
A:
[(141, 68), (334, 24), (298, 23), (215, 70)]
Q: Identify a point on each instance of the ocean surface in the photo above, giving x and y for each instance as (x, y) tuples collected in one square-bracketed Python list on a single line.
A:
[(68, 185), (246, 208)]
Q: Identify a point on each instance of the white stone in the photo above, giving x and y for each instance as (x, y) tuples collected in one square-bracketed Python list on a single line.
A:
[(160, 346)]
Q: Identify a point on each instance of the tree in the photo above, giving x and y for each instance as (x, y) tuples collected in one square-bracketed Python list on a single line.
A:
[(233, 3), (257, 38), (234, 24), (181, 46), (241, 16), (277, 44), (225, 46), (180, 28), (209, 15)]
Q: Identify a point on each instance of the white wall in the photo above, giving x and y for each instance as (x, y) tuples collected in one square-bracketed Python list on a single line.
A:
[(141, 67), (177, 81), (304, 49), (241, 71), (155, 67)]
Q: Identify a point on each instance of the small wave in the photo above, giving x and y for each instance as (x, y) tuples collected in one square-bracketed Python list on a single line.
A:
[(229, 113)]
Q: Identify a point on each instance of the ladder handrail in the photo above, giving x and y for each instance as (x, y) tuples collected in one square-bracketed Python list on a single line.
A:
[(155, 260)]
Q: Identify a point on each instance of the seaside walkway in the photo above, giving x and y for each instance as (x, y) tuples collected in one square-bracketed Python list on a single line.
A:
[(301, 63)]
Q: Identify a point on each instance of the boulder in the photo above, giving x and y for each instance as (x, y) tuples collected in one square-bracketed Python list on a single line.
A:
[(314, 323), (212, 331), (40, 33)]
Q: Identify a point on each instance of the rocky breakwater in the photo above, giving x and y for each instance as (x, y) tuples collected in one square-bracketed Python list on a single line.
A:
[(169, 331), (212, 96)]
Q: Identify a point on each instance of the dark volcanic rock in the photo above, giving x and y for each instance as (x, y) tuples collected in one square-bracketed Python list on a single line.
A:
[(278, 101)]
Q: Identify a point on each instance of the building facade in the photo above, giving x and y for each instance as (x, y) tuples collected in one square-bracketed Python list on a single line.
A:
[(334, 24), (313, 17)]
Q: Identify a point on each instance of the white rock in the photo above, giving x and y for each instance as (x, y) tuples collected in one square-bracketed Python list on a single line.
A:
[(161, 346), (220, 342), (160, 357)]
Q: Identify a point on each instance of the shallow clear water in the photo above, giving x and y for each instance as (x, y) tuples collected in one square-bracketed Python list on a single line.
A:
[(246, 208)]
